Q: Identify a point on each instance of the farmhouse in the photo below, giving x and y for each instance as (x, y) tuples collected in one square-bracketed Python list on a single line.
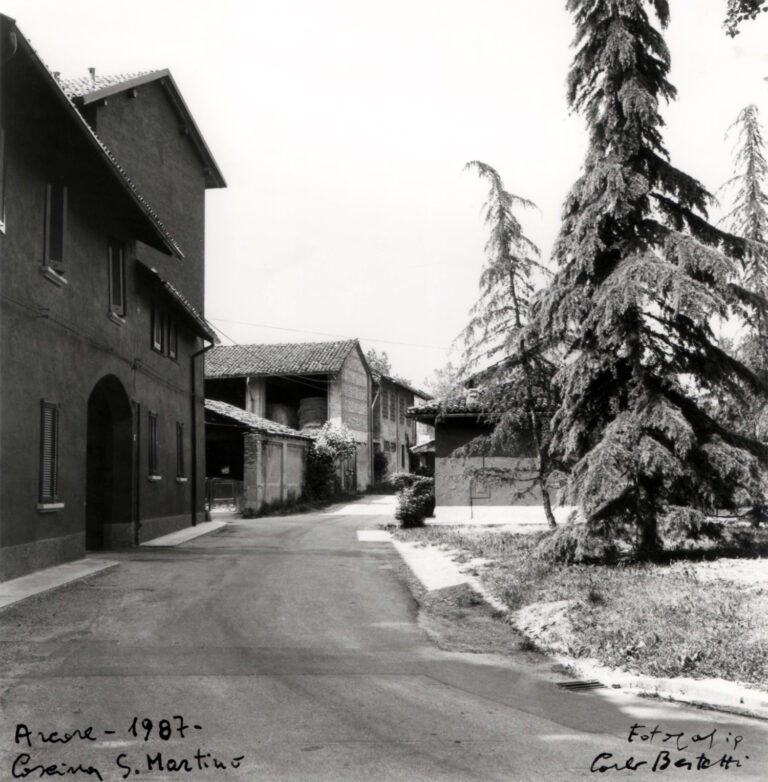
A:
[(101, 297), (300, 385)]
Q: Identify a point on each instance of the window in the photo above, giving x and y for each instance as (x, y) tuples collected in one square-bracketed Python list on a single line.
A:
[(158, 329), (390, 405), (173, 338), (152, 444), (180, 450), (401, 406), (2, 180), (55, 227), (49, 453), (117, 279)]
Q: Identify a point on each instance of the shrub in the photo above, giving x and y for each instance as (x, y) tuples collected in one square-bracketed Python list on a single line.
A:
[(331, 445), (415, 502), (402, 480)]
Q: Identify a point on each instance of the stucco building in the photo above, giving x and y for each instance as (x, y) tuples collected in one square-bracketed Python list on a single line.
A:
[(300, 385), (103, 184), (462, 494), (393, 434)]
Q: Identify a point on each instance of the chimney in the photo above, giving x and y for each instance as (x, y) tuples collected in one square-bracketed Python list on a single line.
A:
[(92, 71), (473, 396)]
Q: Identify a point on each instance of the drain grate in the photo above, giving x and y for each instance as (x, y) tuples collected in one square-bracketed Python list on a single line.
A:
[(581, 684)]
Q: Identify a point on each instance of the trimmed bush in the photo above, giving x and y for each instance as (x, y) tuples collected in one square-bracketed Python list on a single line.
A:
[(402, 480), (415, 502)]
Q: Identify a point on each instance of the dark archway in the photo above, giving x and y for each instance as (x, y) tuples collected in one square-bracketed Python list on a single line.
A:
[(109, 466)]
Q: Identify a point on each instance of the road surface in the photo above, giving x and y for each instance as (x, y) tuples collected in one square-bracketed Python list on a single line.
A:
[(285, 649)]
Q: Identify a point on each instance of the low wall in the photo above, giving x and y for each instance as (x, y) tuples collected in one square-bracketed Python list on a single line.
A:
[(273, 470)]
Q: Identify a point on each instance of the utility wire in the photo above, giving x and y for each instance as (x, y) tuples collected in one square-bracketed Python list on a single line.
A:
[(322, 334)]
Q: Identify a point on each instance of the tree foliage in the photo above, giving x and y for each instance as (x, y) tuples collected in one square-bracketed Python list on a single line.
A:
[(748, 217), (739, 11), (517, 395), (641, 273), (378, 362)]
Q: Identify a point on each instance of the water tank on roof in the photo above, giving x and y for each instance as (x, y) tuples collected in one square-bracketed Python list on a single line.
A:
[(313, 411)]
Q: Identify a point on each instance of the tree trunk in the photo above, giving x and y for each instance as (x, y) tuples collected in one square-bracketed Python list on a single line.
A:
[(547, 507)]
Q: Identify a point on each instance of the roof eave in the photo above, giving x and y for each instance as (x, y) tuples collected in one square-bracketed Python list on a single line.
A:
[(167, 242), (213, 175)]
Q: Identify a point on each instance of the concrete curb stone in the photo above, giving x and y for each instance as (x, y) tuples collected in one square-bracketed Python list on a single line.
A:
[(436, 569)]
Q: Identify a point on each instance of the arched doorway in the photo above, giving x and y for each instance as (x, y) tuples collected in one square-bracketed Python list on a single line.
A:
[(109, 463)]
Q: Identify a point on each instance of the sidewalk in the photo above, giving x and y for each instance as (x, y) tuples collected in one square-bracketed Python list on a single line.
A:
[(41, 581), (18, 589), (436, 569)]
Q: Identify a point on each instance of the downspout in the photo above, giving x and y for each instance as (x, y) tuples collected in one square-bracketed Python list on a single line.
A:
[(193, 397)]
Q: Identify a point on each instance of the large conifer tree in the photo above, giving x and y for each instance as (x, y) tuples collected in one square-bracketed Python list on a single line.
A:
[(517, 398), (640, 275)]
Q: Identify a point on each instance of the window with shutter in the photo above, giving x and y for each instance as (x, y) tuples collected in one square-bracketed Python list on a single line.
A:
[(152, 445), (55, 226), (180, 450), (117, 278), (173, 338), (158, 328), (49, 452), (2, 180)]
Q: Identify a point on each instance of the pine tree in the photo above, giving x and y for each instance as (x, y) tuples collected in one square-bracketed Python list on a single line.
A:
[(517, 400), (741, 10), (749, 216), (641, 274)]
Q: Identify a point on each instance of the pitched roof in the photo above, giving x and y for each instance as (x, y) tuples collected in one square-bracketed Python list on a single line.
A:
[(290, 358), (203, 327), (469, 406), (83, 85), (89, 89), (159, 228), (377, 377), (253, 421)]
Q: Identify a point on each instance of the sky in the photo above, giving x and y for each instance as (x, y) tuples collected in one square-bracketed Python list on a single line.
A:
[(343, 127)]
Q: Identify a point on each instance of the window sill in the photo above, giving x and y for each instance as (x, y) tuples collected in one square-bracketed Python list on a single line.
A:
[(181, 479), (115, 318), (53, 276), (49, 507), (154, 478)]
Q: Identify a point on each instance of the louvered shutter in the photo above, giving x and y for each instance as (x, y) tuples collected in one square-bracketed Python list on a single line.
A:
[(49, 451)]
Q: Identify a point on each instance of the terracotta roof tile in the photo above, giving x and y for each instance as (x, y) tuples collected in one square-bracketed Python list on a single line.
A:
[(82, 85), (291, 358), (253, 421)]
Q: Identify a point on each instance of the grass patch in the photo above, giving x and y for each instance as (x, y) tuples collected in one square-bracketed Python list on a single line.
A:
[(657, 619)]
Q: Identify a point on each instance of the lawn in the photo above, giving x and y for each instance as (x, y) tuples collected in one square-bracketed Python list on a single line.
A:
[(671, 619)]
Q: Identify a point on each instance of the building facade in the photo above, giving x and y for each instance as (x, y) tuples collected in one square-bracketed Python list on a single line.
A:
[(393, 433), (300, 385), (465, 489), (101, 286)]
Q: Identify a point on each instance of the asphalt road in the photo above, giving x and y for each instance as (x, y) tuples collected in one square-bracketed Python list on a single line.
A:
[(285, 649)]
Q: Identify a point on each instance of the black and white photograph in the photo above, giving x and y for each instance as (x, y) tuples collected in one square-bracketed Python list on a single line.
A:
[(383, 390)]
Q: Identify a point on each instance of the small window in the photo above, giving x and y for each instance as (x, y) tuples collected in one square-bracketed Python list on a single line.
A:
[(390, 406), (173, 338), (158, 329), (2, 180), (401, 408), (153, 448), (117, 278), (180, 473), (49, 452), (55, 226)]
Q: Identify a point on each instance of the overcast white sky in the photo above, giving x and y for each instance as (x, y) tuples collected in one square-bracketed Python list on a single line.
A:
[(342, 127)]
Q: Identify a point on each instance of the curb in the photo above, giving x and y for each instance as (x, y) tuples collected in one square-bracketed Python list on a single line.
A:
[(185, 534), (435, 569), (19, 589)]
